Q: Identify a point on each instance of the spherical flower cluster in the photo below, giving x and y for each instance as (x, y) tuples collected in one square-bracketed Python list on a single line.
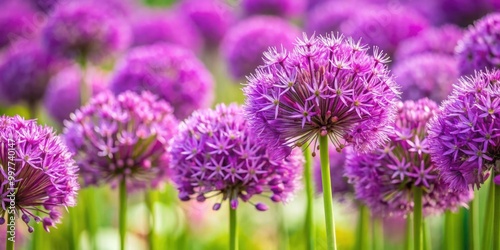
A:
[(45, 176), (327, 86), (212, 18), (327, 17), (171, 72), (464, 138), (63, 92), (78, 29), (153, 27), (340, 185), (25, 71), (245, 42), (44, 5), (462, 12), (385, 27), (16, 21), (478, 48), (442, 40), (384, 179), (427, 75), (215, 154), (122, 137), (283, 8)]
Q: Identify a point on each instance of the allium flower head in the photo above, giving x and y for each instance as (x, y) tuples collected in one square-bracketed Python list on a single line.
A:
[(327, 86), (245, 42), (215, 154), (16, 21), (171, 72), (45, 175), (80, 29), (25, 70), (465, 137), (283, 8), (124, 136), (383, 179), (385, 27), (212, 18), (326, 17), (152, 27), (427, 75), (63, 92), (442, 40), (479, 47), (340, 185)]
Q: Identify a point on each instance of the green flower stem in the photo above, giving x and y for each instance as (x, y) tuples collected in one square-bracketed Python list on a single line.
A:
[(417, 218), (90, 195), (488, 222), (378, 234), (310, 199), (327, 193), (123, 213), (409, 234), (9, 245), (362, 237), (233, 229), (449, 231), (33, 110), (151, 197), (426, 235), (282, 228), (474, 222), (496, 218), (73, 224), (85, 91)]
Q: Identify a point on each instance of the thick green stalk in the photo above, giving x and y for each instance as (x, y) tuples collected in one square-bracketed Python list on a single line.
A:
[(9, 244), (310, 199), (123, 213), (409, 233), (150, 202), (417, 218), (378, 234), (327, 193), (488, 216), (233, 228), (426, 235), (362, 237), (474, 222), (91, 212), (496, 218)]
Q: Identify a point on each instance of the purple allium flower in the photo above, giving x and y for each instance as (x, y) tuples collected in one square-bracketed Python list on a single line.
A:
[(63, 92), (25, 71), (44, 5), (442, 40), (171, 72), (79, 29), (45, 175), (283, 8), (383, 179), (464, 138), (212, 18), (16, 21), (479, 48), (327, 86), (340, 185), (462, 12), (426, 75), (122, 137), (245, 42), (385, 27), (215, 153), (326, 17), (152, 27)]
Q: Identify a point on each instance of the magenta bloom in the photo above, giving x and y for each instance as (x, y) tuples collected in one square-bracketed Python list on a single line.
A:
[(427, 75), (122, 137), (17, 21), (383, 179), (80, 29), (63, 92), (283, 8), (442, 40), (245, 42), (171, 72), (212, 18), (326, 17), (340, 186), (464, 138), (153, 27), (480, 46), (215, 154), (327, 86), (385, 27), (45, 175)]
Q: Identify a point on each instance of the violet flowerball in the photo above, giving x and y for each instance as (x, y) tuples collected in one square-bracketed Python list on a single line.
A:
[(245, 42), (326, 86), (25, 71), (340, 186), (479, 48), (442, 40), (212, 18), (17, 21), (426, 75), (383, 179), (326, 17), (216, 155), (81, 30), (152, 27), (385, 27), (464, 137), (45, 176), (171, 72), (283, 8), (63, 92), (122, 137)]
